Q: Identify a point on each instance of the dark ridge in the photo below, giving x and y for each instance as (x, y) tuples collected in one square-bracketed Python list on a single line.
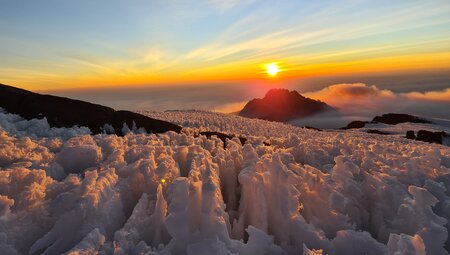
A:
[(355, 124), (431, 137), (283, 105), (389, 118), (150, 124), (410, 134), (66, 112), (313, 128), (427, 136), (397, 118), (376, 131)]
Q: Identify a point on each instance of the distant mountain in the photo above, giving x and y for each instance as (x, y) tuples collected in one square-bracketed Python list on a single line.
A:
[(388, 118), (66, 112), (283, 105)]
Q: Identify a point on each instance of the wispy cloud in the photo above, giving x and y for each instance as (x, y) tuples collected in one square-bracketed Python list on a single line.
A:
[(311, 29), (173, 41)]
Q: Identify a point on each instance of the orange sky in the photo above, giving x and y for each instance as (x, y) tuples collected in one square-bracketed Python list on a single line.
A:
[(44, 47)]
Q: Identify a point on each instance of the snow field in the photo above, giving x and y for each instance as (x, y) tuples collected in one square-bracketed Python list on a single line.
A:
[(310, 192)]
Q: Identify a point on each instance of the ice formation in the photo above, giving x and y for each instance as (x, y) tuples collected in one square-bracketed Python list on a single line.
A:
[(288, 190)]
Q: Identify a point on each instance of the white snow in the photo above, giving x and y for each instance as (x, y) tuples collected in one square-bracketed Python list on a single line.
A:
[(287, 191), (34, 128)]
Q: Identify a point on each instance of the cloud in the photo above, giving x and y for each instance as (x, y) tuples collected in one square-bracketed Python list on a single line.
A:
[(356, 100), (223, 97), (359, 99), (277, 36), (353, 98), (353, 91), (440, 96)]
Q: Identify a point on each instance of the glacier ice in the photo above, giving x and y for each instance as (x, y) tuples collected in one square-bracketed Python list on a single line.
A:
[(288, 190)]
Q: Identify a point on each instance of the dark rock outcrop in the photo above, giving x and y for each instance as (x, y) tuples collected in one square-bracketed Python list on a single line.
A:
[(313, 128), (355, 124), (222, 136), (410, 134), (283, 105), (150, 124), (427, 136), (376, 131), (431, 137), (397, 118), (389, 118), (66, 112)]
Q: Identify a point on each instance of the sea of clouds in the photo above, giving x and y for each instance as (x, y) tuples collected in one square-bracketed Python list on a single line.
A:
[(359, 101), (354, 101)]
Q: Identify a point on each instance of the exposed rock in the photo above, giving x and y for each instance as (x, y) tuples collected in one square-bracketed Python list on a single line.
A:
[(313, 128), (66, 112), (428, 136), (410, 134), (396, 118), (375, 131), (283, 105), (153, 125), (355, 124), (222, 136), (389, 118), (431, 137)]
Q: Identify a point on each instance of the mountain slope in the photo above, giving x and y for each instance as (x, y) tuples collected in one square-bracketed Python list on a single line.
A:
[(66, 112)]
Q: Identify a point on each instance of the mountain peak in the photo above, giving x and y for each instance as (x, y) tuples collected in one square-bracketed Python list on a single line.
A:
[(276, 93), (282, 105)]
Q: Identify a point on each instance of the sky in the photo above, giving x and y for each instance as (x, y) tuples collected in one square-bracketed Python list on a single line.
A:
[(213, 54), (61, 44)]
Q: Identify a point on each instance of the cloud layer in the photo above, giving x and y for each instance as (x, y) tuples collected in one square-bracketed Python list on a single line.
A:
[(357, 100), (367, 100), (440, 96)]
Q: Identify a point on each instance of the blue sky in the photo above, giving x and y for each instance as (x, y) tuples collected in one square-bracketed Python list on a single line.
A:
[(57, 44)]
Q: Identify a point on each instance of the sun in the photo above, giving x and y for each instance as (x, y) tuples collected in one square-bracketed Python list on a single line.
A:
[(272, 69)]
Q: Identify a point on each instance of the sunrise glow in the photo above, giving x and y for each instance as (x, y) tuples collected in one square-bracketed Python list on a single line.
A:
[(216, 41), (272, 69)]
